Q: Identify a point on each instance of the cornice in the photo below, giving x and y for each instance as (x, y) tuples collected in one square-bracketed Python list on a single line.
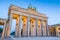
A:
[(16, 8)]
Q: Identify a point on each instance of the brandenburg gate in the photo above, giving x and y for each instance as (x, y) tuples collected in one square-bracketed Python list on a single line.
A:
[(29, 22)]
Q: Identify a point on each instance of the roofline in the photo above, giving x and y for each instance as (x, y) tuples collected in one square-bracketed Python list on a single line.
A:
[(26, 9), (55, 25)]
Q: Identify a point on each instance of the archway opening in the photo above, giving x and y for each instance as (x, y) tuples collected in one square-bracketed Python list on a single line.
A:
[(12, 33)]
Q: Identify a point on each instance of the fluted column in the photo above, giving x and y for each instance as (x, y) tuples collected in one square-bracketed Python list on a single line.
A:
[(20, 27), (9, 25), (39, 28), (36, 25), (28, 25), (47, 27), (6, 29), (3, 33), (33, 27), (44, 28), (17, 27)]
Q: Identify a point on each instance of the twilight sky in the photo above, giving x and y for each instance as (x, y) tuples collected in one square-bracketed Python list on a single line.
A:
[(49, 7)]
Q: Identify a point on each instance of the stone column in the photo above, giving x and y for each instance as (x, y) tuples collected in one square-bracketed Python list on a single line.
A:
[(28, 25), (9, 25), (20, 27), (36, 25), (25, 26), (33, 27), (47, 28), (17, 27), (41, 34), (39, 29), (6, 29), (44, 28), (3, 33)]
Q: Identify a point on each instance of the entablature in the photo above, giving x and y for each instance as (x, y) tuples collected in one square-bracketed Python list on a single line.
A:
[(19, 9)]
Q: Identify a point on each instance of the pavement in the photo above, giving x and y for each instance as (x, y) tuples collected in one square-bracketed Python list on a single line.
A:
[(31, 38)]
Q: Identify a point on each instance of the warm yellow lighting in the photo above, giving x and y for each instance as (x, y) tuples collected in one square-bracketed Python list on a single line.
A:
[(1, 23), (15, 16), (52, 29), (57, 28), (24, 19), (39, 22)]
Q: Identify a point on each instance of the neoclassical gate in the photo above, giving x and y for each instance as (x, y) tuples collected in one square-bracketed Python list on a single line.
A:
[(29, 22)]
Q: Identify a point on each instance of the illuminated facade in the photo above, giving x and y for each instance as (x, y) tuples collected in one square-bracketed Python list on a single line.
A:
[(29, 22), (54, 30), (57, 30)]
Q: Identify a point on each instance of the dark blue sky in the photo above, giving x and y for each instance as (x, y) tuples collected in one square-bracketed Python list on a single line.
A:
[(49, 7)]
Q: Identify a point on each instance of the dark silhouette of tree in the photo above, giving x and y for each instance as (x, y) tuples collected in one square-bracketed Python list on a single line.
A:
[(13, 33), (1, 30)]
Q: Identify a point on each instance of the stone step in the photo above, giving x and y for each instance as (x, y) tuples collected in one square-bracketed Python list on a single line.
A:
[(6, 39), (37, 38), (31, 38)]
